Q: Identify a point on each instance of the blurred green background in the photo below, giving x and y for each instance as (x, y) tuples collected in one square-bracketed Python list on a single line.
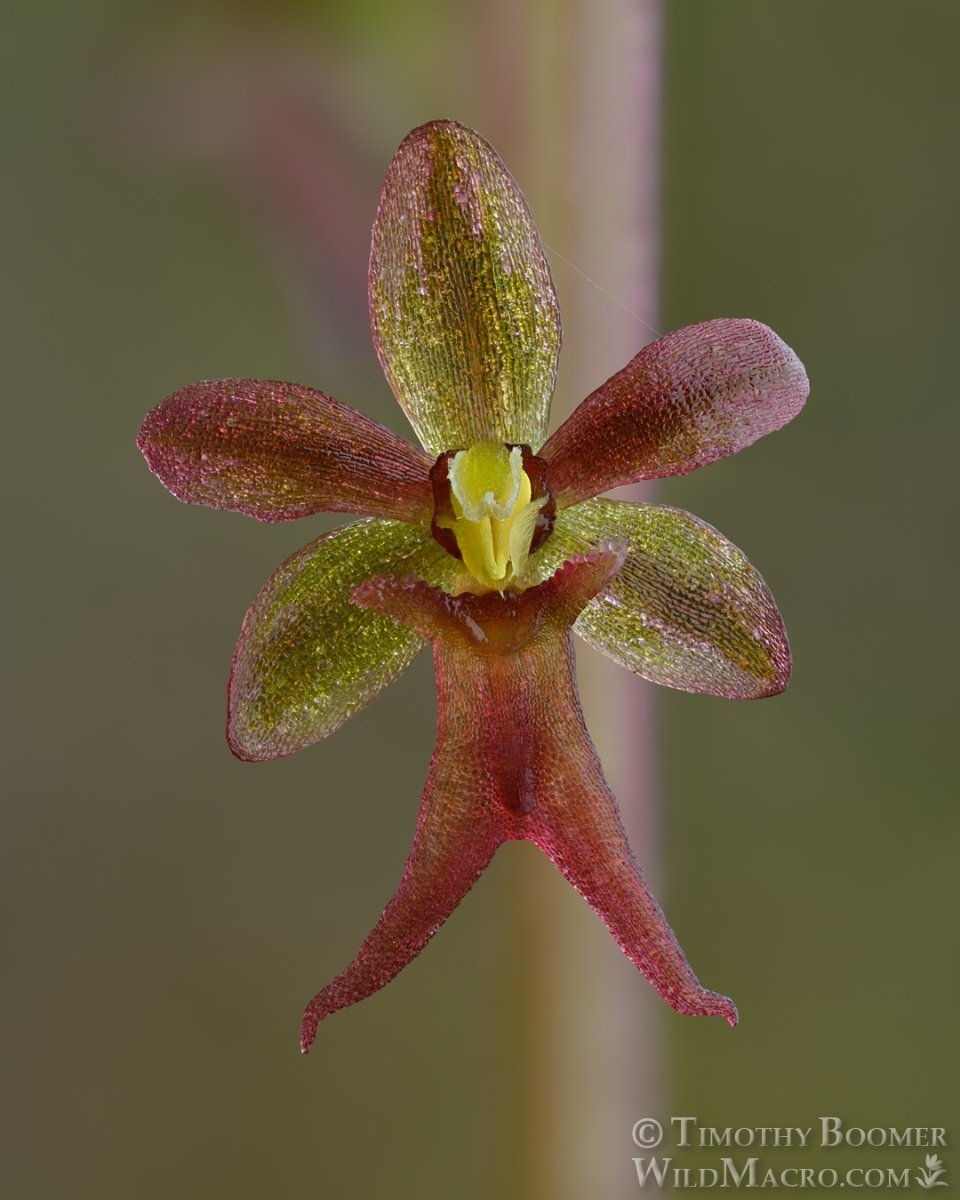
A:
[(168, 910)]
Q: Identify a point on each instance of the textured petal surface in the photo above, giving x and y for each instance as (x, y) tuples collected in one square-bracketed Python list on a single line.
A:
[(686, 609), (513, 760), (457, 835), (276, 451), (576, 822), (464, 314), (686, 400), (308, 658)]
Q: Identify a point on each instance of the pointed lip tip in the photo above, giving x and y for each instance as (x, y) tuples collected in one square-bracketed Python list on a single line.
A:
[(723, 1006), (728, 1010), (308, 1034)]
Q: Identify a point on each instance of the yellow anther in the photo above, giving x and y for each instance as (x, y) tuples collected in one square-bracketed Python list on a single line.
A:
[(493, 517)]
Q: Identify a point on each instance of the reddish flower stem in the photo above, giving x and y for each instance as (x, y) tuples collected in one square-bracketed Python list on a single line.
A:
[(587, 1041)]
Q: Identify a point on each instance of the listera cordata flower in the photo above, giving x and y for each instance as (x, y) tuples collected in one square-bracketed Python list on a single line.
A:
[(490, 543)]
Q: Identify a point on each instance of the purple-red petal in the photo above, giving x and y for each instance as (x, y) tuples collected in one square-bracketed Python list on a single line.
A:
[(277, 451), (577, 825), (684, 401), (457, 835), (513, 760)]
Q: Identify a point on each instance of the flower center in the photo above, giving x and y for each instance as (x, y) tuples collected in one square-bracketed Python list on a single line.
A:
[(492, 509)]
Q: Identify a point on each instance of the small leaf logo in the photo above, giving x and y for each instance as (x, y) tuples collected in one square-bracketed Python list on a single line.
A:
[(929, 1176)]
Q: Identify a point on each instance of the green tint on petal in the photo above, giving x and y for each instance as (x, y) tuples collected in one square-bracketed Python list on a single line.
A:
[(464, 315), (686, 609), (307, 657)]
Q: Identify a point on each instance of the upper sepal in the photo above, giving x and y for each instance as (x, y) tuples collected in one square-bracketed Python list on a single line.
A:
[(277, 451), (462, 305), (696, 395)]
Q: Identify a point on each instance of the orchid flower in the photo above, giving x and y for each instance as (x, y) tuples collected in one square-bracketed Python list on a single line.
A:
[(490, 543)]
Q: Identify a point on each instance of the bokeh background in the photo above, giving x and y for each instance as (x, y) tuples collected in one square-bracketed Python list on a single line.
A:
[(187, 194)]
